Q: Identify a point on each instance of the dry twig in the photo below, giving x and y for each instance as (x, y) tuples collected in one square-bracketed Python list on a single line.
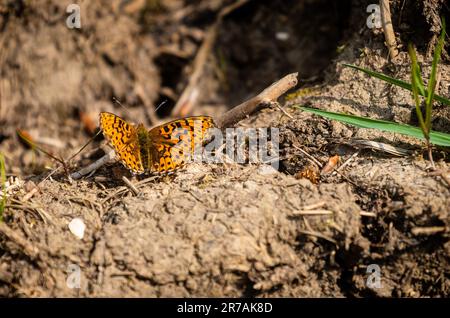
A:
[(319, 235), (314, 205), (130, 185), (445, 175), (282, 110), (265, 98), (314, 160), (388, 28), (313, 212), (431, 230), (368, 214), (94, 166), (347, 161)]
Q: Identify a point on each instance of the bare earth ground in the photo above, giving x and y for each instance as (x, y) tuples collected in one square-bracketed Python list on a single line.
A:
[(223, 229)]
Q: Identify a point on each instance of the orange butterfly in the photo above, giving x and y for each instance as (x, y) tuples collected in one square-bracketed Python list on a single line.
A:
[(161, 149)]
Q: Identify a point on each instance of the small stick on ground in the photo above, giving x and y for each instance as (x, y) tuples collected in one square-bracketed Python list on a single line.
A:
[(445, 175), (368, 214), (347, 161), (137, 185), (262, 100), (431, 230), (314, 205), (388, 28), (94, 166), (33, 191), (317, 162), (313, 212), (282, 110), (319, 235), (146, 180), (30, 194), (430, 154), (343, 165), (130, 185)]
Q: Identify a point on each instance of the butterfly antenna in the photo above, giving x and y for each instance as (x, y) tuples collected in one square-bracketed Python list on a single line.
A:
[(115, 100), (160, 105), (83, 147)]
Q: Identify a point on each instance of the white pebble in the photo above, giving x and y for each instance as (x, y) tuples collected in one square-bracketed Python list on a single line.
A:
[(282, 36), (77, 227)]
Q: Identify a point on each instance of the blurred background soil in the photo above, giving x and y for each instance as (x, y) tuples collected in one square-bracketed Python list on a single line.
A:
[(220, 229)]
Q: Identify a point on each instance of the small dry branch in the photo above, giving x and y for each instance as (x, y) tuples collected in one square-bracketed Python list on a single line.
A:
[(94, 166), (388, 29), (262, 100)]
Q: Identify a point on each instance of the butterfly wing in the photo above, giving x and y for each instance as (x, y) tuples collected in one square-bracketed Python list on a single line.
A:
[(123, 139), (173, 143)]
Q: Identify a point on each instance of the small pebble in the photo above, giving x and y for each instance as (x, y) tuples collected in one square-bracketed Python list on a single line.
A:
[(282, 36), (77, 227)]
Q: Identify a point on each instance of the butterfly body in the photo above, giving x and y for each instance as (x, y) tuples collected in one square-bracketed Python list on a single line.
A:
[(161, 149), (145, 146)]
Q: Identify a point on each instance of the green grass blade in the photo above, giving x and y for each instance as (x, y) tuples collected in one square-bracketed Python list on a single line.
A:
[(432, 81), (416, 78), (419, 80), (437, 138), (416, 75), (397, 82), (3, 186)]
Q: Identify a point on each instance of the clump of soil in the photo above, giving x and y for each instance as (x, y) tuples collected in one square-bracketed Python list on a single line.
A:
[(219, 229)]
